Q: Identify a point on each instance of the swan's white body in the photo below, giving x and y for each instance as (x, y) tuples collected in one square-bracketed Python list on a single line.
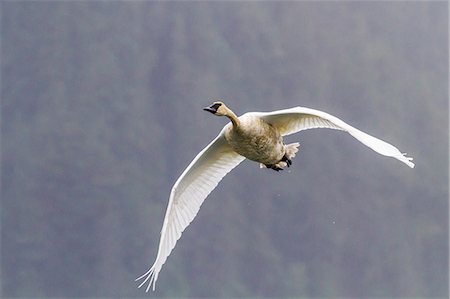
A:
[(218, 158)]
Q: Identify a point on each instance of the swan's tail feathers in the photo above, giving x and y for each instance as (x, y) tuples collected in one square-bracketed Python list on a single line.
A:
[(291, 150), (151, 276)]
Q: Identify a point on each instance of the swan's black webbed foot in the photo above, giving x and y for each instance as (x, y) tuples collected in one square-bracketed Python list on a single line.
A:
[(275, 167), (287, 160)]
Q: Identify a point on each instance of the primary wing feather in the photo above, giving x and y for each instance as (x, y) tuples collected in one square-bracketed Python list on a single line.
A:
[(188, 193), (289, 121)]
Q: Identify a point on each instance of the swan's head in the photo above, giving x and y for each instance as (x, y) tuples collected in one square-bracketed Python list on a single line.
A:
[(217, 108)]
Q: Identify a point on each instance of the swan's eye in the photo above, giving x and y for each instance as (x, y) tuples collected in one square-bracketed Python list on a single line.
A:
[(216, 106)]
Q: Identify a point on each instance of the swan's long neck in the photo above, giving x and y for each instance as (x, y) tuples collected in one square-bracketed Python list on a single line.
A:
[(234, 119)]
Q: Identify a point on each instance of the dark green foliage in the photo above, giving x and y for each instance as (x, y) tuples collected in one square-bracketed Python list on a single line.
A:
[(102, 110)]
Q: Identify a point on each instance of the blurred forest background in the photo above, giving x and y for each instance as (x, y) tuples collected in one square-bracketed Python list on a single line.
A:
[(102, 111)]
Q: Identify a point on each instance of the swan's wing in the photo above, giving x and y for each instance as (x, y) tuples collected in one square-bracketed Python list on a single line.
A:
[(187, 195), (289, 121)]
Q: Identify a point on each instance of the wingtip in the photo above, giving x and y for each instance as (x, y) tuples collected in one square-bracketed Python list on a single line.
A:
[(406, 160), (149, 276)]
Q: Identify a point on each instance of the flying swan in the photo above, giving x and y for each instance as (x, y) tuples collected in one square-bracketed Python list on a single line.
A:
[(257, 136)]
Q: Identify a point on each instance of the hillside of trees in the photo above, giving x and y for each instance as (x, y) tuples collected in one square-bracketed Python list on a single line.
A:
[(101, 111)]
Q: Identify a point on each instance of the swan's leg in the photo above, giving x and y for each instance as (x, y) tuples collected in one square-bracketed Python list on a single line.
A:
[(287, 160)]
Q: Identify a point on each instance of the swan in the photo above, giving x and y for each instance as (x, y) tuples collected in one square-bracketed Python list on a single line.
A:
[(257, 136)]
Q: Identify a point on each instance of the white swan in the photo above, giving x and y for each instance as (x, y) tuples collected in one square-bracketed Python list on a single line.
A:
[(256, 136)]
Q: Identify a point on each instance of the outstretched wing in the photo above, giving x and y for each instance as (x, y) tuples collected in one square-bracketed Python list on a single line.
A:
[(187, 195), (293, 120)]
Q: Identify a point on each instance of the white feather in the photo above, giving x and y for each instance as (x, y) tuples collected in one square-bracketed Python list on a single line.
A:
[(190, 190), (293, 120)]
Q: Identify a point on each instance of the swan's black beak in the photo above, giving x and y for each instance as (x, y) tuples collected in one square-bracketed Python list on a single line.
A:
[(213, 108), (209, 109)]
